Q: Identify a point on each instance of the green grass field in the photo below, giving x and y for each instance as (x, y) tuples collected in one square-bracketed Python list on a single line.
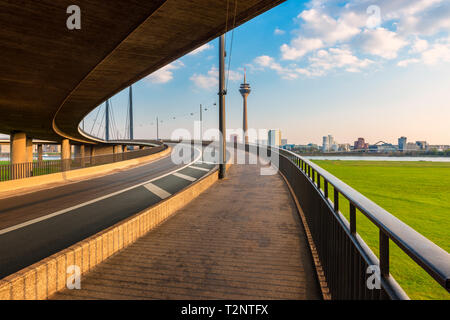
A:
[(418, 193)]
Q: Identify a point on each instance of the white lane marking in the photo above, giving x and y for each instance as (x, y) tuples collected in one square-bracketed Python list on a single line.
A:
[(157, 190), (198, 168), (57, 213), (183, 176)]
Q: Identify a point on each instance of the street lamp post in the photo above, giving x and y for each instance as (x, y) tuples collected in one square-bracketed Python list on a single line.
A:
[(222, 93)]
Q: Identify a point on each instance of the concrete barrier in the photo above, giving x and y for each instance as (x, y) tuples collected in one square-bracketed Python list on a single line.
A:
[(44, 278), (77, 174)]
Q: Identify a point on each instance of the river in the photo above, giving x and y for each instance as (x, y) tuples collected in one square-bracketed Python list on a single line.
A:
[(380, 158)]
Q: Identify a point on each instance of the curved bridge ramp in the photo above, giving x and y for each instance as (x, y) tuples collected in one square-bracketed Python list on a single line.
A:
[(240, 239)]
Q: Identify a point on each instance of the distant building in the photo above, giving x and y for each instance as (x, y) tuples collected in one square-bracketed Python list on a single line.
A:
[(411, 146), (360, 144), (4, 148), (344, 147), (402, 143), (289, 147), (328, 144), (383, 147), (284, 142), (54, 148), (423, 145), (274, 138)]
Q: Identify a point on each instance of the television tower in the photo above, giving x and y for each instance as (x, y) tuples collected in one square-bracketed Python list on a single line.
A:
[(245, 91)]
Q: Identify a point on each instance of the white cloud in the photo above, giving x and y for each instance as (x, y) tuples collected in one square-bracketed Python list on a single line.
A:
[(335, 58), (438, 53), (278, 32), (406, 62), (270, 63), (419, 45), (320, 64), (318, 24), (299, 47), (381, 42), (165, 74), (342, 35), (211, 78), (201, 49)]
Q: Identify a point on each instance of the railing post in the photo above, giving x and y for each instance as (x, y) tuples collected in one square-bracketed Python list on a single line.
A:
[(384, 254), (352, 219), (325, 188), (318, 181), (336, 200)]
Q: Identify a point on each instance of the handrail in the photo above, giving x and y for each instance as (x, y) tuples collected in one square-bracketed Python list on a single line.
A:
[(151, 143), (432, 258), (28, 169)]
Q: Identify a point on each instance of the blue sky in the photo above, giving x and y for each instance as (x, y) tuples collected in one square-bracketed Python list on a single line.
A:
[(372, 69)]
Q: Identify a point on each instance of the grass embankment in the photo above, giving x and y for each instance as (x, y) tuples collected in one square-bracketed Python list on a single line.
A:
[(5, 172), (417, 193)]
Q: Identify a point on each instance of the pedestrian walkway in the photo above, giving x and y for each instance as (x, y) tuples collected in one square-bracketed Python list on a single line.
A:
[(240, 239)]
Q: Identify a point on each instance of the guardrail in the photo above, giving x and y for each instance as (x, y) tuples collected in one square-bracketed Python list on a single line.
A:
[(38, 168), (344, 256)]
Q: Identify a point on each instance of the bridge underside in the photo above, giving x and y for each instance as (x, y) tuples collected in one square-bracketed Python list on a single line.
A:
[(51, 77)]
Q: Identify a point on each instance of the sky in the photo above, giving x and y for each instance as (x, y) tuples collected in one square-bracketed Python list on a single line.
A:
[(372, 69)]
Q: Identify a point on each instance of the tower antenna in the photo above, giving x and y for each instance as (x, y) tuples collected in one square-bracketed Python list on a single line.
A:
[(245, 91)]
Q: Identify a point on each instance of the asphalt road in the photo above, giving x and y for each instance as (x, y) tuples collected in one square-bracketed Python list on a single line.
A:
[(36, 225)]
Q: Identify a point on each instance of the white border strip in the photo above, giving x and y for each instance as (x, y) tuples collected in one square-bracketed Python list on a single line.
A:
[(183, 176)]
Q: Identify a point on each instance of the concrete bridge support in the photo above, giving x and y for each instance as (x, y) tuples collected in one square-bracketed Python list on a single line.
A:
[(40, 152), (18, 147), (21, 152), (29, 150), (118, 150), (80, 154), (65, 154)]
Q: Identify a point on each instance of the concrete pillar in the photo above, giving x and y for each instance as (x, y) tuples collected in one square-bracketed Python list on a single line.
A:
[(80, 155), (40, 151), (82, 151), (29, 150), (141, 147), (118, 150), (18, 141), (65, 154), (20, 149)]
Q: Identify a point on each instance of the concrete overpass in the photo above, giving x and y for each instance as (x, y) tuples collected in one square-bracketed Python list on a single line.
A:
[(52, 77)]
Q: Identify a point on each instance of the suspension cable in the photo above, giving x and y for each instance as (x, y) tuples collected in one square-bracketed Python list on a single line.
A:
[(93, 124), (231, 44)]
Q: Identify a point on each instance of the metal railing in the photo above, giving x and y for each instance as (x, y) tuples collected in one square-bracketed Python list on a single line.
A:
[(37, 168), (344, 256)]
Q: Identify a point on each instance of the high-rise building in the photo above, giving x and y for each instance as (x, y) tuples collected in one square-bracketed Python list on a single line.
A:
[(274, 138), (361, 144), (402, 143), (284, 142), (328, 143)]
